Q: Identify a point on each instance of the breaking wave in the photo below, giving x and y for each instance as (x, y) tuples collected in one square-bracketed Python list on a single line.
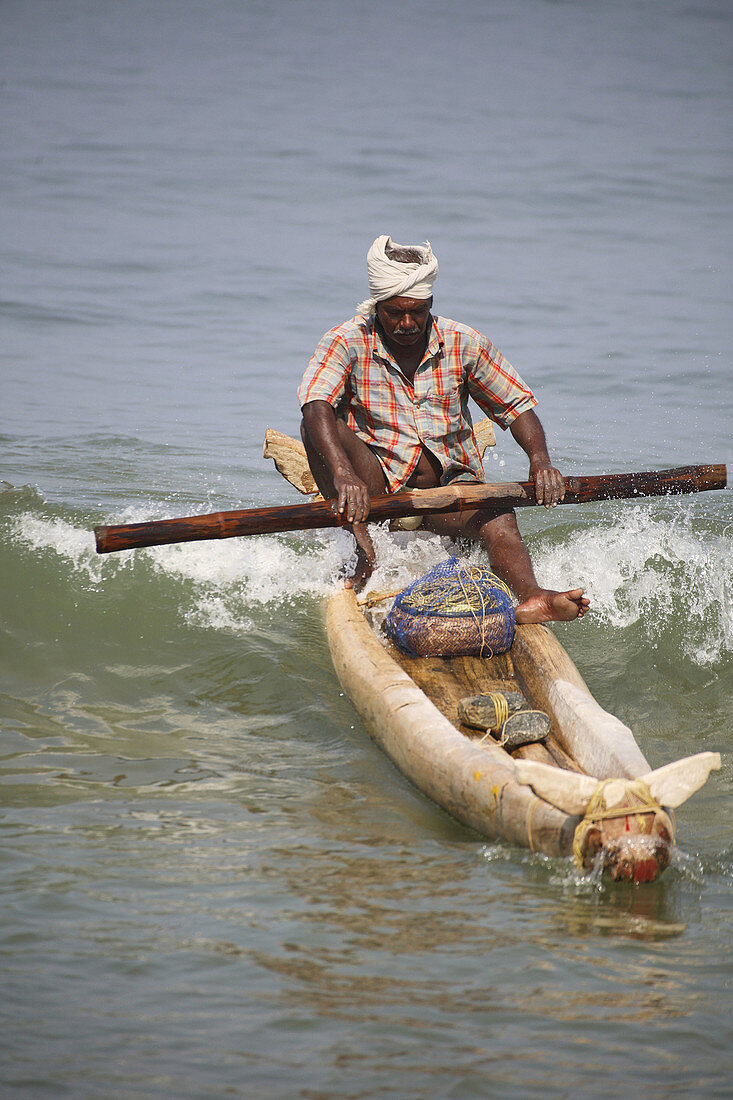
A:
[(663, 570)]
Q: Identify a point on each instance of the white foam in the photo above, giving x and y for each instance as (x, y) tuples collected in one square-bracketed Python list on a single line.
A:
[(74, 544), (664, 573), (668, 573)]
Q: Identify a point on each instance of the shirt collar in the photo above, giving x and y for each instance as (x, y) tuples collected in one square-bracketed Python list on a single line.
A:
[(435, 340)]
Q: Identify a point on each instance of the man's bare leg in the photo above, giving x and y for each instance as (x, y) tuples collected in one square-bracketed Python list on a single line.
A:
[(368, 468), (511, 562), (499, 532), (508, 555)]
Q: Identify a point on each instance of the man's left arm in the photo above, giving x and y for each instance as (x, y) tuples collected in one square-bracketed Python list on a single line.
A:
[(496, 388), (549, 483)]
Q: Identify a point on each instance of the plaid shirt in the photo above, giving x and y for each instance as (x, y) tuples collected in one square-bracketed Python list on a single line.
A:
[(352, 370)]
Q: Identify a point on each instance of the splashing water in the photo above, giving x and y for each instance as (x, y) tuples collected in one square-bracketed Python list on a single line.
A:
[(662, 571)]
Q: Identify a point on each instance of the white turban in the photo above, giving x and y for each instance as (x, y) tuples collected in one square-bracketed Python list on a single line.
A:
[(393, 278)]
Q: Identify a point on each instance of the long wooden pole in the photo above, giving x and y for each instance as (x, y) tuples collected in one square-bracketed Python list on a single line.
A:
[(409, 502)]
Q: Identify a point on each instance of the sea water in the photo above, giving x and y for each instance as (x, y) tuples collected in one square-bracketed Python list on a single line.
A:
[(213, 883)]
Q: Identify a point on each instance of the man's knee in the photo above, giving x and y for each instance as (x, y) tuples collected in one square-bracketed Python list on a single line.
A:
[(360, 455), (497, 525), (347, 436), (362, 458)]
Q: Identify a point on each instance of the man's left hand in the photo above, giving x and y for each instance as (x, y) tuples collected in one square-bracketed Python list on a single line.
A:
[(549, 484)]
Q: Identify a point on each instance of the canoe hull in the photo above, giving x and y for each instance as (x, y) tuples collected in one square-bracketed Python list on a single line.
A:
[(475, 783)]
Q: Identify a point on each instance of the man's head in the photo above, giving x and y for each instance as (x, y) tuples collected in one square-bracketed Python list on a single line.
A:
[(399, 272), (404, 319)]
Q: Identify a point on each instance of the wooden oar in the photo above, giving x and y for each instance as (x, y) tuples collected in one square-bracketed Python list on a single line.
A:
[(409, 502)]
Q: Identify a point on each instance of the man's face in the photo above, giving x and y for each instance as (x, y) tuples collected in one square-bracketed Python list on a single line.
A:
[(404, 320)]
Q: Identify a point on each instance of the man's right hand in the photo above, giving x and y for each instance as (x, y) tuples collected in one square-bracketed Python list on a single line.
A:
[(335, 453), (353, 500)]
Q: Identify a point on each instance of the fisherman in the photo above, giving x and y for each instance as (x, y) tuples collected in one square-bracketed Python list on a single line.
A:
[(385, 407)]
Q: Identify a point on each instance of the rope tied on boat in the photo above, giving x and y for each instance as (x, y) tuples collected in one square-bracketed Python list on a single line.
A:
[(636, 790), (502, 707), (453, 610), (533, 802)]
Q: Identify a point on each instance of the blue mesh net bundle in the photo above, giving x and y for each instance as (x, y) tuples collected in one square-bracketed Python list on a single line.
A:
[(454, 610)]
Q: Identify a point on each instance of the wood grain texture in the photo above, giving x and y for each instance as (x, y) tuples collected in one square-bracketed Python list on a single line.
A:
[(449, 498)]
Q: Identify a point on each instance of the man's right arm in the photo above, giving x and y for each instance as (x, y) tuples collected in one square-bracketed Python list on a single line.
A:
[(345, 486)]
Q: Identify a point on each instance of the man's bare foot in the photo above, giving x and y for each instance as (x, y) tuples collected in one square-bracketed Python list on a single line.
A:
[(546, 606), (365, 558)]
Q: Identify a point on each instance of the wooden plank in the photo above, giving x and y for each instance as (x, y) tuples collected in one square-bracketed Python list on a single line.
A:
[(600, 743)]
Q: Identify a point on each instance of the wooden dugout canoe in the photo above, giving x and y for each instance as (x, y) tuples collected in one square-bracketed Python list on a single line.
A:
[(410, 708)]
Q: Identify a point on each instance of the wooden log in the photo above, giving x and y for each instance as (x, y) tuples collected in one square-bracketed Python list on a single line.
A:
[(598, 741), (448, 498), (411, 707)]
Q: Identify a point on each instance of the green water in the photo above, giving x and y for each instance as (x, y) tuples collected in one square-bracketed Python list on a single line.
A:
[(216, 883)]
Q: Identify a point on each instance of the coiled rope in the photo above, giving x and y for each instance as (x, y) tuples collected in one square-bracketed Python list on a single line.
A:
[(438, 597)]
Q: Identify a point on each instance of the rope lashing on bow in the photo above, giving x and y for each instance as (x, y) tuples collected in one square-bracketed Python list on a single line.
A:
[(597, 811)]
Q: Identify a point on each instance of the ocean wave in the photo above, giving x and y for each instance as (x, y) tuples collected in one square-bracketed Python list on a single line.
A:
[(664, 572)]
